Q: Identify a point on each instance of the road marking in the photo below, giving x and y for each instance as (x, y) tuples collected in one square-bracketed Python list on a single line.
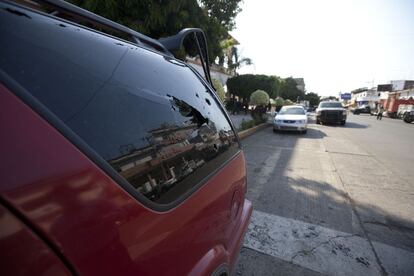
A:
[(266, 169), (295, 148), (348, 153), (315, 247)]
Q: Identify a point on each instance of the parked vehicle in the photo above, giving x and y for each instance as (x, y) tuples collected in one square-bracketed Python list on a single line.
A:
[(404, 110), (393, 104), (291, 118), (331, 112), (118, 158), (401, 110), (361, 109), (408, 114)]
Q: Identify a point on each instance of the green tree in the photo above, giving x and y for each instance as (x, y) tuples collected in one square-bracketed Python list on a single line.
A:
[(313, 98), (221, 94), (231, 52), (244, 85), (224, 11), (164, 18), (289, 90)]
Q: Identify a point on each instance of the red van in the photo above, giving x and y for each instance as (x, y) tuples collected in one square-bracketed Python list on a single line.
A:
[(117, 158)]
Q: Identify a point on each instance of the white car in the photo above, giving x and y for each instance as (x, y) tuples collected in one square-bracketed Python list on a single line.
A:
[(291, 118)]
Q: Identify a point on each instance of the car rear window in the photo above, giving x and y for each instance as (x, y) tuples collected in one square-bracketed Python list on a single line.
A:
[(292, 111), (149, 116)]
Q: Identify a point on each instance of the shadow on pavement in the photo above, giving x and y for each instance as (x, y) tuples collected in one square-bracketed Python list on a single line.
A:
[(348, 125), (294, 184), (355, 125), (312, 133)]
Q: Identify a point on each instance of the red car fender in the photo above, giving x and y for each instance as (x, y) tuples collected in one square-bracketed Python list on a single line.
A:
[(210, 261)]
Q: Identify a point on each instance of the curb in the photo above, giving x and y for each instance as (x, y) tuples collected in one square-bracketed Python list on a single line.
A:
[(245, 133)]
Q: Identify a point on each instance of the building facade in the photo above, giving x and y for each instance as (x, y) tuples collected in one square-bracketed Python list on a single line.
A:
[(398, 85), (366, 97)]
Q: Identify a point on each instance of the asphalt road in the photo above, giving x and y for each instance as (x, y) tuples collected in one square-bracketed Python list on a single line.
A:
[(336, 201)]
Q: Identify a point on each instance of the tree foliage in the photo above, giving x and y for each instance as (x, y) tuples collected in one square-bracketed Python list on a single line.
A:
[(165, 18), (290, 91), (313, 98), (279, 101), (329, 98), (221, 94), (224, 11), (260, 98), (244, 85), (287, 102), (231, 55)]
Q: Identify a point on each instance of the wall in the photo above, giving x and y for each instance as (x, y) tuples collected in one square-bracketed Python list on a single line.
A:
[(215, 74), (405, 94)]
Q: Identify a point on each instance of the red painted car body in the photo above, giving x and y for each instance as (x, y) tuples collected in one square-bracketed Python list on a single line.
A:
[(62, 214), (97, 227)]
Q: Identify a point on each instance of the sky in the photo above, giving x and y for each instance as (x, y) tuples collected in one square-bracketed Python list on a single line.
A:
[(335, 45)]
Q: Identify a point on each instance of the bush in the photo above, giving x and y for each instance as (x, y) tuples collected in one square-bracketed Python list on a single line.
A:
[(279, 103), (259, 120), (247, 124), (230, 104), (288, 102), (259, 97), (259, 114)]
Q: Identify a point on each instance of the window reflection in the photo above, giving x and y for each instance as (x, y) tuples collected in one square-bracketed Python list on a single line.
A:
[(174, 152)]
